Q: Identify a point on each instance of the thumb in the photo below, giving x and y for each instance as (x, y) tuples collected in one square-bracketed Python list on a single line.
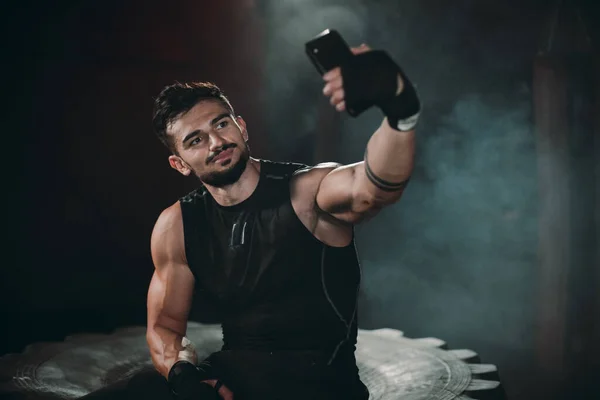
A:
[(363, 48)]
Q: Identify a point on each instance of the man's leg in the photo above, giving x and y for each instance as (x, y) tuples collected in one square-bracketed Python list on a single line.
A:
[(147, 384)]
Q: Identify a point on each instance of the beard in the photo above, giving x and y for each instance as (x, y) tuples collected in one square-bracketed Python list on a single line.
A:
[(228, 176)]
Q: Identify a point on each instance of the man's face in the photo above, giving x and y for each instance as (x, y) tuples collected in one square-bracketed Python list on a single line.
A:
[(211, 143)]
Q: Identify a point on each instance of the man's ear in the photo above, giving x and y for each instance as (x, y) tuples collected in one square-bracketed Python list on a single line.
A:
[(242, 125), (177, 163)]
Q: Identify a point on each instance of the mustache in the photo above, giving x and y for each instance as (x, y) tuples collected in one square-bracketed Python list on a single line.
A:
[(222, 149)]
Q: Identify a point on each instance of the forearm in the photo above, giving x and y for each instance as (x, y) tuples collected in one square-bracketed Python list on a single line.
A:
[(166, 348), (174, 356), (389, 158)]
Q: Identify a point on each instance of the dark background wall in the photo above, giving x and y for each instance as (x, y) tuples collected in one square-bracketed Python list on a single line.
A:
[(464, 255)]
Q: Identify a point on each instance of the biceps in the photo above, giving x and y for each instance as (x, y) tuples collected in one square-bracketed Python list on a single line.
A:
[(340, 191), (347, 195), (170, 298), (334, 194)]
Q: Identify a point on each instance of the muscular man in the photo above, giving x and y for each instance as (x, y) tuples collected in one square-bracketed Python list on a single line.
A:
[(272, 243)]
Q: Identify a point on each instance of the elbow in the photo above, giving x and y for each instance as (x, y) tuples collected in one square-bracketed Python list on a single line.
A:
[(150, 334), (391, 198), (373, 192), (376, 199), (153, 342), (367, 203), (157, 354)]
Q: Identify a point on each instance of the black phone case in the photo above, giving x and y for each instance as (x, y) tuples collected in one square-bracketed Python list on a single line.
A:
[(327, 51)]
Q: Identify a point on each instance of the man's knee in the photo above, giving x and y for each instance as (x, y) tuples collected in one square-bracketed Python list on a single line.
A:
[(149, 384)]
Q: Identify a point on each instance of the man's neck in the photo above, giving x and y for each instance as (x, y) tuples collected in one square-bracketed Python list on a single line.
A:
[(240, 190)]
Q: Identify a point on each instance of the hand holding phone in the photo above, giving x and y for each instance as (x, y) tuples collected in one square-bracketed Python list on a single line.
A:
[(327, 51)]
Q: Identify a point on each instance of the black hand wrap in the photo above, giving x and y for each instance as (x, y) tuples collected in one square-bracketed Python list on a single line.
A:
[(185, 380), (370, 79)]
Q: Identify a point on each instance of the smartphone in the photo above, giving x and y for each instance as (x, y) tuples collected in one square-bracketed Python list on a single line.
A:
[(328, 50)]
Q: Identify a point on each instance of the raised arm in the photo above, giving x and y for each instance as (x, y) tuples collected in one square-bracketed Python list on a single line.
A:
[(352, 192), (170, 293)]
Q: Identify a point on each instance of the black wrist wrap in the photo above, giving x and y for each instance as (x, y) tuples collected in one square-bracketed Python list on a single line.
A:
[(185, 381), (402, 107), (370, 79)]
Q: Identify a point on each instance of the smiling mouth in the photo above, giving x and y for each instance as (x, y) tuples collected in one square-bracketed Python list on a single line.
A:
[(225, 154)]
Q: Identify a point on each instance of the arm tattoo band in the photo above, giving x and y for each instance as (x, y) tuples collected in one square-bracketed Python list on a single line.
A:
[(383, 184)]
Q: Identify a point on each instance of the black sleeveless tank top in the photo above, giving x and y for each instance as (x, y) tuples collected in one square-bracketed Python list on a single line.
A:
[(276, 285)]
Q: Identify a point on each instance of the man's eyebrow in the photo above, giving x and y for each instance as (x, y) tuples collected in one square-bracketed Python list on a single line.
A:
[(212, 122), (219, 117), (190, 135)]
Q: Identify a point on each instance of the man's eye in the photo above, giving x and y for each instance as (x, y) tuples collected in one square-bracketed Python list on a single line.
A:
[(195, 141), (222, 124)]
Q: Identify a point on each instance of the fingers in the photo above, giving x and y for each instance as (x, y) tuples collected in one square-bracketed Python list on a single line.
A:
[(224, 391), (337, 97), (334, 86), (332, 74), (363, 48)]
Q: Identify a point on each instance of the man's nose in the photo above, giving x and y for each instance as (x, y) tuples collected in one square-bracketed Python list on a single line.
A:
[(216, 142)]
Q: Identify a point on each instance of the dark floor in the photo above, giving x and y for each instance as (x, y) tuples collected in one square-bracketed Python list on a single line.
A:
[(31, 327), (519, 378)]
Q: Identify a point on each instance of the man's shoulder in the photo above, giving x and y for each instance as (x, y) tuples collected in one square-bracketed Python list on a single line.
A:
[(194, 196), (315, 173), (306, 181), (169, 218), (167, 234), (280, 169), (302, 176)]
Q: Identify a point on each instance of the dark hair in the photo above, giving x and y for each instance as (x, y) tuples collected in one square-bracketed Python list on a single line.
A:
[(177, 99)]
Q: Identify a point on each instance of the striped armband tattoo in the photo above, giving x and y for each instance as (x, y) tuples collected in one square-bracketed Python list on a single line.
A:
[(381, 183)]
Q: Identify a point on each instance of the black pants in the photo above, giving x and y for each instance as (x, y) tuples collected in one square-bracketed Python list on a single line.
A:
[(147, 384), (271, 376)]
